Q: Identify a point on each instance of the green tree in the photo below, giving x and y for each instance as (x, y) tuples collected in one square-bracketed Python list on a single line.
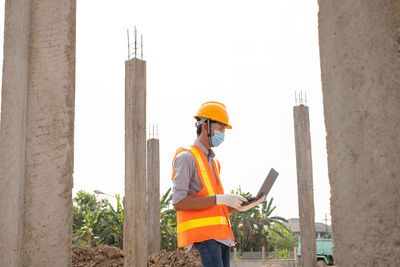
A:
[(283, 241), (251, 228), (327, 236), (273, 224), (80, 201), (96, 221), (86, 233), (112, 224), (168, 222)]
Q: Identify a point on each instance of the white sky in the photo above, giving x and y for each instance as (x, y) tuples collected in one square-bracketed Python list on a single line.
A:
[(250, 55)]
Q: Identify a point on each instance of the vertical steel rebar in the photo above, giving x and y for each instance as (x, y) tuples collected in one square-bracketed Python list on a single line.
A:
[(135, 43), (129, 52)]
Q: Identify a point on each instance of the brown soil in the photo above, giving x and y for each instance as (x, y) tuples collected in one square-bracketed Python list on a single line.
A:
[(101, 256), (106, 256), (174, 258)]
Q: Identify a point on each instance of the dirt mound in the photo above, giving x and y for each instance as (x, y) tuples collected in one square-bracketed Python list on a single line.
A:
[(101, 256), (174, 258), (106, 256)]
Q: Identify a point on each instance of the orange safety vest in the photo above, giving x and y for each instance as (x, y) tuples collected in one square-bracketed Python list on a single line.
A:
[(209, 223)]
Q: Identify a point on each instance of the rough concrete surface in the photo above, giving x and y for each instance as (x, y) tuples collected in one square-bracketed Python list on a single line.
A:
[(360, 67), (153, 196), (37, 133), (135, 233), (305, 185), (13, 131)]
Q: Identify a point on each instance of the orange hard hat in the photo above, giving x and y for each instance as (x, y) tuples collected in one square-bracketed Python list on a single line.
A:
[(215, 111)]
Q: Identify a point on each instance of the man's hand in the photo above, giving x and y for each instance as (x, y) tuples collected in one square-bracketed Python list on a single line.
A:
[(252, 205), (233, 201)]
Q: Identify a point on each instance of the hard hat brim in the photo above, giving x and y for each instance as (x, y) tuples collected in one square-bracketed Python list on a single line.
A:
[(226, 127)]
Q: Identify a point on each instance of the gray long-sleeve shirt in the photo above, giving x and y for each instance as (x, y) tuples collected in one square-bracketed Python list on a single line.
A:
[(187, 181)]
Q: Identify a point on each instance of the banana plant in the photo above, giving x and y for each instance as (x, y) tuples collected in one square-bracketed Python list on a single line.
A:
[(251, 228), (96, 221), (88, 229), (167, 222), (112, 224)]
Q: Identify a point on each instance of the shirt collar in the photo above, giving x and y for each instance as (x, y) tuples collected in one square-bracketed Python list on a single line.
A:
[(209, 153)]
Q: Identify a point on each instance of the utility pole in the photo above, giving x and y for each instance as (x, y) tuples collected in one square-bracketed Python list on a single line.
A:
[(326, 223)]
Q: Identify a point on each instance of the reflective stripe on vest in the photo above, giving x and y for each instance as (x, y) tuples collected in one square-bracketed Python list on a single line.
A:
[(203, 171), (202, 222)]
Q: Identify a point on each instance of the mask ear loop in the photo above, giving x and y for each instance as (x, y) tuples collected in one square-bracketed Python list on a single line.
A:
[(209, 133)]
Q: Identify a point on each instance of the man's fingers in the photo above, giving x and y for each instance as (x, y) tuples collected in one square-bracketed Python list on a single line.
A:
[(230, 200), (238, 203), (242, 199)]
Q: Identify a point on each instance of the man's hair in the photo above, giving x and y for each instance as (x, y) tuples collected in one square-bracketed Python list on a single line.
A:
[(200, 123), (198, 129)]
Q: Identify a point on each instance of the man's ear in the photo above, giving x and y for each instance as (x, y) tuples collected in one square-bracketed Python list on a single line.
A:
[(204, 127)]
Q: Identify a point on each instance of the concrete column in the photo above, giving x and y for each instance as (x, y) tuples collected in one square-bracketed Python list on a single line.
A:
[(263, 253), (296, 258), (360, 64), (13, 131), (50, 134), (36, 139), (153, 196), (135, 234), (305, 185)]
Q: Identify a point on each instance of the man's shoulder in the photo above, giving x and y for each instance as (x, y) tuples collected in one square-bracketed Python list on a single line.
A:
[(184, 155), (184, 161)]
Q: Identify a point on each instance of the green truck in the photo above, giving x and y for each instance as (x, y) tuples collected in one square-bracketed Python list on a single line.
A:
[(324, 252)]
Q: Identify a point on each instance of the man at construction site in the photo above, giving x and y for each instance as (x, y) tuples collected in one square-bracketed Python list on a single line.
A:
[(197, 193)]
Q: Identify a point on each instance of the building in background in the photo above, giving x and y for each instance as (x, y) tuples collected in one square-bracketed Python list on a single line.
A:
[(321, 229)]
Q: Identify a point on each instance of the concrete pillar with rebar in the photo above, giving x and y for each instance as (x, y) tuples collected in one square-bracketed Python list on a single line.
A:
[(153, 196), (37, 133), (135, 228), (305, 185)]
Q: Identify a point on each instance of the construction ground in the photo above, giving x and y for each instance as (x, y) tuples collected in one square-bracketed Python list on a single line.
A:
[(359, 45)]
